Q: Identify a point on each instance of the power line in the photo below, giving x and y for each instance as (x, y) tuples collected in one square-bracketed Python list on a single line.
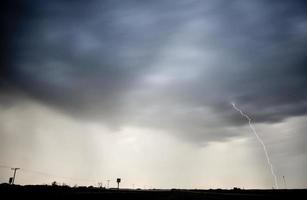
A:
[(46, 174), (56, 176)]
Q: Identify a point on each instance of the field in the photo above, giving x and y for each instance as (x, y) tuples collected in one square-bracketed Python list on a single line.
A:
[(56, 192)]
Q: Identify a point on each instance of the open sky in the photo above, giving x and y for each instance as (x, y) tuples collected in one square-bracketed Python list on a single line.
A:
[(142, 90)]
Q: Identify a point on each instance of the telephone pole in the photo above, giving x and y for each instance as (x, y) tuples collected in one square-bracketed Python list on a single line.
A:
[(14, 169)]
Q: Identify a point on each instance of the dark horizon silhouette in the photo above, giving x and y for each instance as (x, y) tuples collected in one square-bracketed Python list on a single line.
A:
[(55, 191)]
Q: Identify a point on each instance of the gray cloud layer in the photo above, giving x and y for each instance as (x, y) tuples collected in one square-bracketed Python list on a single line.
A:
[(170, 65)]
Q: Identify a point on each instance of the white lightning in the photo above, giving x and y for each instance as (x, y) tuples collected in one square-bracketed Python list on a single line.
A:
[(260, 141)]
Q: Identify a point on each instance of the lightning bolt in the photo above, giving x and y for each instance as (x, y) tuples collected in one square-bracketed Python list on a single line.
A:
[(259, 140)]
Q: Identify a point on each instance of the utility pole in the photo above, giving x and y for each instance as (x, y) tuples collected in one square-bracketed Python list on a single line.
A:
[(108, 183), (15, 169)]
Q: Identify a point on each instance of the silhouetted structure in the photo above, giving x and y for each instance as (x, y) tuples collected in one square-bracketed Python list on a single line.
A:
[(118, 181), (13, 180)]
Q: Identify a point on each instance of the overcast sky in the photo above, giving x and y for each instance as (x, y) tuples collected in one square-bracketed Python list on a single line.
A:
[(142, 90)]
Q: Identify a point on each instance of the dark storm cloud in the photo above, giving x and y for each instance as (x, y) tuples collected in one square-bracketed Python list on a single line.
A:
[(162, 64), (13, 16)]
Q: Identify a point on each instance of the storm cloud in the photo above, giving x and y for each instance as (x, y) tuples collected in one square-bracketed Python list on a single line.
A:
[(161, 64)]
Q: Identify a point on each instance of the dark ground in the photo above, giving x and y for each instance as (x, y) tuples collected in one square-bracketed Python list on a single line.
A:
[(61, 192)]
